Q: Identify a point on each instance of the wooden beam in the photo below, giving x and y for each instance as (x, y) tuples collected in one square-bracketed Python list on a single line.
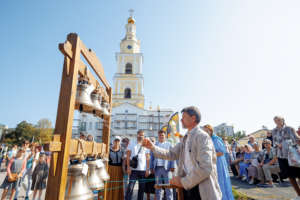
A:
[(53, 146), (95, 63)]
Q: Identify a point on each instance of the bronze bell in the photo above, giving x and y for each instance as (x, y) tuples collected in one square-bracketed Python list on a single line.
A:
[(77, 187), (94, 180), (83, 96)]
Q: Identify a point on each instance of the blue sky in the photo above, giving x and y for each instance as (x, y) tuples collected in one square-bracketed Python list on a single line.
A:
[(238, 61)]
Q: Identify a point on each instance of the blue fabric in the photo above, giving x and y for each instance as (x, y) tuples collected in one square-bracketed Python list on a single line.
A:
[(222, 168), (244, 166), (29, 163)]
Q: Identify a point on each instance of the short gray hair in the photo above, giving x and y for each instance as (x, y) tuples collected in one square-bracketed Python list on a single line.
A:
[(193, 111)]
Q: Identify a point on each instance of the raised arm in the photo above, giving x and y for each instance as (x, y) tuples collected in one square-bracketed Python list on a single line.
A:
[(171, 154)]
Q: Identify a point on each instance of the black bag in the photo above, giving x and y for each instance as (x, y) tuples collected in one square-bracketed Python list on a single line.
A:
[(134, 161)]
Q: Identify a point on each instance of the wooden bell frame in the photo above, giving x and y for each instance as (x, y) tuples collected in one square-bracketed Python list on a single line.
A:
[(62, 146)]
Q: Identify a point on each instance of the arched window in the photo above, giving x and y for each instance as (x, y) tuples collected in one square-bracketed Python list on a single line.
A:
[(127, 93), (128, 68)]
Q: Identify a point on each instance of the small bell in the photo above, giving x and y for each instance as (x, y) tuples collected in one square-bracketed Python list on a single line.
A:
[(96, 99), (94, 180), (83, 100), (77, 187)]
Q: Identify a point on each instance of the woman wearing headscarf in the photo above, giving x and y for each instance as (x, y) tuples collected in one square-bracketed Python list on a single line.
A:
[(222, 167)]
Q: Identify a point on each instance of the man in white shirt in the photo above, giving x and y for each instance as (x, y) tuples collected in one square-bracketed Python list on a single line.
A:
[(161, 168), (141, 170)]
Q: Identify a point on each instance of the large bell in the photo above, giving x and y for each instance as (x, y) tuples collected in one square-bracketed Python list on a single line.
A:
[(83, 96), (102, 171), (94, 180), (77, 187)]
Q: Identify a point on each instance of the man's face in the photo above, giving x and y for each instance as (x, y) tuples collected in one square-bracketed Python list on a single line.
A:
[(161, 137), (187, 120), (140, 136)]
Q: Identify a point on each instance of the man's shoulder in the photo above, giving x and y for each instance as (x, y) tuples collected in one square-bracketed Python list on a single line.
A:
[(199, 133)]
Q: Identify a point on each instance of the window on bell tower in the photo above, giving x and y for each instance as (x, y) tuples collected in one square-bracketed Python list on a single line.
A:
[(127, 93), (128, 68)]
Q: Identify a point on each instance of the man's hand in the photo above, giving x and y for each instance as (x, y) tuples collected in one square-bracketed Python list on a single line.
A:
[(128, 170), (279, 146), (148, 144), (19, 175), (176, 180), (172, 169), (147, 173)]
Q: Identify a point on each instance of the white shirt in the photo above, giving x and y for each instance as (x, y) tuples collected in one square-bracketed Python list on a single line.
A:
[(188, 165), (134, 149)]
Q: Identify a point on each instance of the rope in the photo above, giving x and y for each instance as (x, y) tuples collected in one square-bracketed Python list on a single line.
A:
[(142, 180)]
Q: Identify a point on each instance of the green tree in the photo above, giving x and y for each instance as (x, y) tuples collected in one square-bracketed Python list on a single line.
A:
[(23, 131), (44, 131), (238, 135), (44, 123)]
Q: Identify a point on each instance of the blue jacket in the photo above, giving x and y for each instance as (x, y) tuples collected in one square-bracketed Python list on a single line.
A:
[(168, 164)]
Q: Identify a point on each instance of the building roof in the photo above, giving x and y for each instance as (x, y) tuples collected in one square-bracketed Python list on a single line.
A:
[(258, 135)]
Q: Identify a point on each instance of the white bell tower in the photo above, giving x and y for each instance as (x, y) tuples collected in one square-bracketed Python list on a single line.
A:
[(129, 81)]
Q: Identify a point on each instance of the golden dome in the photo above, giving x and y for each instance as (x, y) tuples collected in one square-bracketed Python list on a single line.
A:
[(131, 20)]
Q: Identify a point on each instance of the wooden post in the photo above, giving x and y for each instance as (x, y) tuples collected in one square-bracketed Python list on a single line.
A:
[(59, 162), (106, 139)]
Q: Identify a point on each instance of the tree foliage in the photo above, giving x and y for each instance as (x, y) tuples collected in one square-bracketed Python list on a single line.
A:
[(41, 132)]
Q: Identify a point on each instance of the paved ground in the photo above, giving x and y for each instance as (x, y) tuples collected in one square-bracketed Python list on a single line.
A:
[(277, 193)]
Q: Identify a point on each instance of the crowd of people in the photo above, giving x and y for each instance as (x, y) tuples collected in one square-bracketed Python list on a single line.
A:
[(26, 166), (202, 162), (199, 164), (267, 163)]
